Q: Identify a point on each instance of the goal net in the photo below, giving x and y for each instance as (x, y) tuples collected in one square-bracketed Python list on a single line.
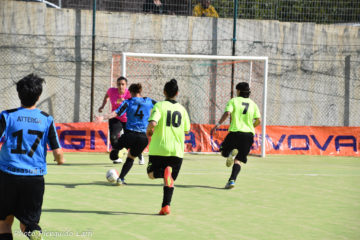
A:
[(206, 82)]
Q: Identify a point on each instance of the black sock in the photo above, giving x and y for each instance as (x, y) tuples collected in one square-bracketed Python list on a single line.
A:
[(159, 173), (6, 236), (235, 171), (168, 192), (126, 168)]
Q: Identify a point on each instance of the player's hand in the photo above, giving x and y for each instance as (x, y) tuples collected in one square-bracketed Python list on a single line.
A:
[(98, 119)]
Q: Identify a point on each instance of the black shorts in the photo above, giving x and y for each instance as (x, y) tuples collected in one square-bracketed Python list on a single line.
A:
[(115, 127), (237, 140), (21, 196), (161, 162), (135, 141)]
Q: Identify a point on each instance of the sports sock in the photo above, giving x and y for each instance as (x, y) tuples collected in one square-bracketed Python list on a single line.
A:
[(168, 192), (235, 171), (6, 236), (159, 173), (126, 168)]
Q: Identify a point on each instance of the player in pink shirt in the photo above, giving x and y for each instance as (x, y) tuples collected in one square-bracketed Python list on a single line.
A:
[(117, 96)]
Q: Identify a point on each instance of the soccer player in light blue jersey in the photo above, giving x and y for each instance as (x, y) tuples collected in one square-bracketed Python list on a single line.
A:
[(138, 110), (26, 131)]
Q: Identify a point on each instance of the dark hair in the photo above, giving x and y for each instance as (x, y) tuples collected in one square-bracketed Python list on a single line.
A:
[(171, 88), (121, 78), (244, 89), (29, 89), (135, 88)]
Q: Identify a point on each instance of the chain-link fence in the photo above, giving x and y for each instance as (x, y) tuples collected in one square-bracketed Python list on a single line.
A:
[(319, 11), (313, 75), (309, 92)]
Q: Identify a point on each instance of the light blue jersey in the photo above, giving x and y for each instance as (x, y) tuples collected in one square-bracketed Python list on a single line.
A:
[(137, 110), (26, 133)]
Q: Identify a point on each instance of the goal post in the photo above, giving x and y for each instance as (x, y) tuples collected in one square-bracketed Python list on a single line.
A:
[(204, 81)]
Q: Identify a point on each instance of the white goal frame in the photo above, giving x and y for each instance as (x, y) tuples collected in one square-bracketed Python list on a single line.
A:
[(264, 59)]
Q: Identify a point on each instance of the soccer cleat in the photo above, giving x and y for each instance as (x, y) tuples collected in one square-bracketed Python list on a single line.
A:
[(230, 184), (165, 210), (168, 180), (120, 182), (231, 157), (117, 161), (141, 160)]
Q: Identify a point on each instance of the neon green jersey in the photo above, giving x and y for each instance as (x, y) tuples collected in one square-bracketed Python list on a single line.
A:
[(169, 134), (243, 112)]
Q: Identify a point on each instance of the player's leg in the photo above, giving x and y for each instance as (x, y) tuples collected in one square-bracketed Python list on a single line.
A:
[(5, 228), (228, 148), (245, 141), (154, 167), (115, 127), (170, 174), (30, 203), (137, 143), (8, 204), (120, 144)]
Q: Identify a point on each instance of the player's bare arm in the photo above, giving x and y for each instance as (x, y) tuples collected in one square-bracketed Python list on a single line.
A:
[(99, 119), (106, 97), (222, 119), (58, 156), (150, 128)]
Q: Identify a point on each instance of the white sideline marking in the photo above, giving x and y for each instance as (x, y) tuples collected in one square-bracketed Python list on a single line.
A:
[(219, 173)]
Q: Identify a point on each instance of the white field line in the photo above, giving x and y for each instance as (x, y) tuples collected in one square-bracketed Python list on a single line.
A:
[(216, 172)]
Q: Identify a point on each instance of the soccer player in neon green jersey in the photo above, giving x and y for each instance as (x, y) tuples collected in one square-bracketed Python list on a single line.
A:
[(168, 123), (245, 116)]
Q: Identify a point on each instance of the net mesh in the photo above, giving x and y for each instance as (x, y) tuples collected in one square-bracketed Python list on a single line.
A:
[(204, 85)]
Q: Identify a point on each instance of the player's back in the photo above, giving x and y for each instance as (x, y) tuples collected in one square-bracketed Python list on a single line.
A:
[(138, 113), (26, 132), (243, 112), (169, 135)]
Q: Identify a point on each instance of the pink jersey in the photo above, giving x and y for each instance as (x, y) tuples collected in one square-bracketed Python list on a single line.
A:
[(116, 99)]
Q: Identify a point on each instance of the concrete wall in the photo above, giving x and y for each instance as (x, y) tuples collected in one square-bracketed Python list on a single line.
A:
[(310, 83)]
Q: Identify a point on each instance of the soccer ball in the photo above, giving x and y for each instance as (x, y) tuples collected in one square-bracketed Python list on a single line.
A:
[(112, 175)]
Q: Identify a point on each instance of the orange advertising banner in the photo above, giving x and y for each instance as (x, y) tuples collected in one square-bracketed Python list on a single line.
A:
[(337, 141)]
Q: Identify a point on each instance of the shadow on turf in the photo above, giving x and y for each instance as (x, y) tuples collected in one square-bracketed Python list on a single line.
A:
[(84, 164), (74, 185), (176, 185), (97, 212)]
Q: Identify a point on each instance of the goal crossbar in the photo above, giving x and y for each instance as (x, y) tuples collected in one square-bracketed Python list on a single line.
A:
[(264, 59)]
